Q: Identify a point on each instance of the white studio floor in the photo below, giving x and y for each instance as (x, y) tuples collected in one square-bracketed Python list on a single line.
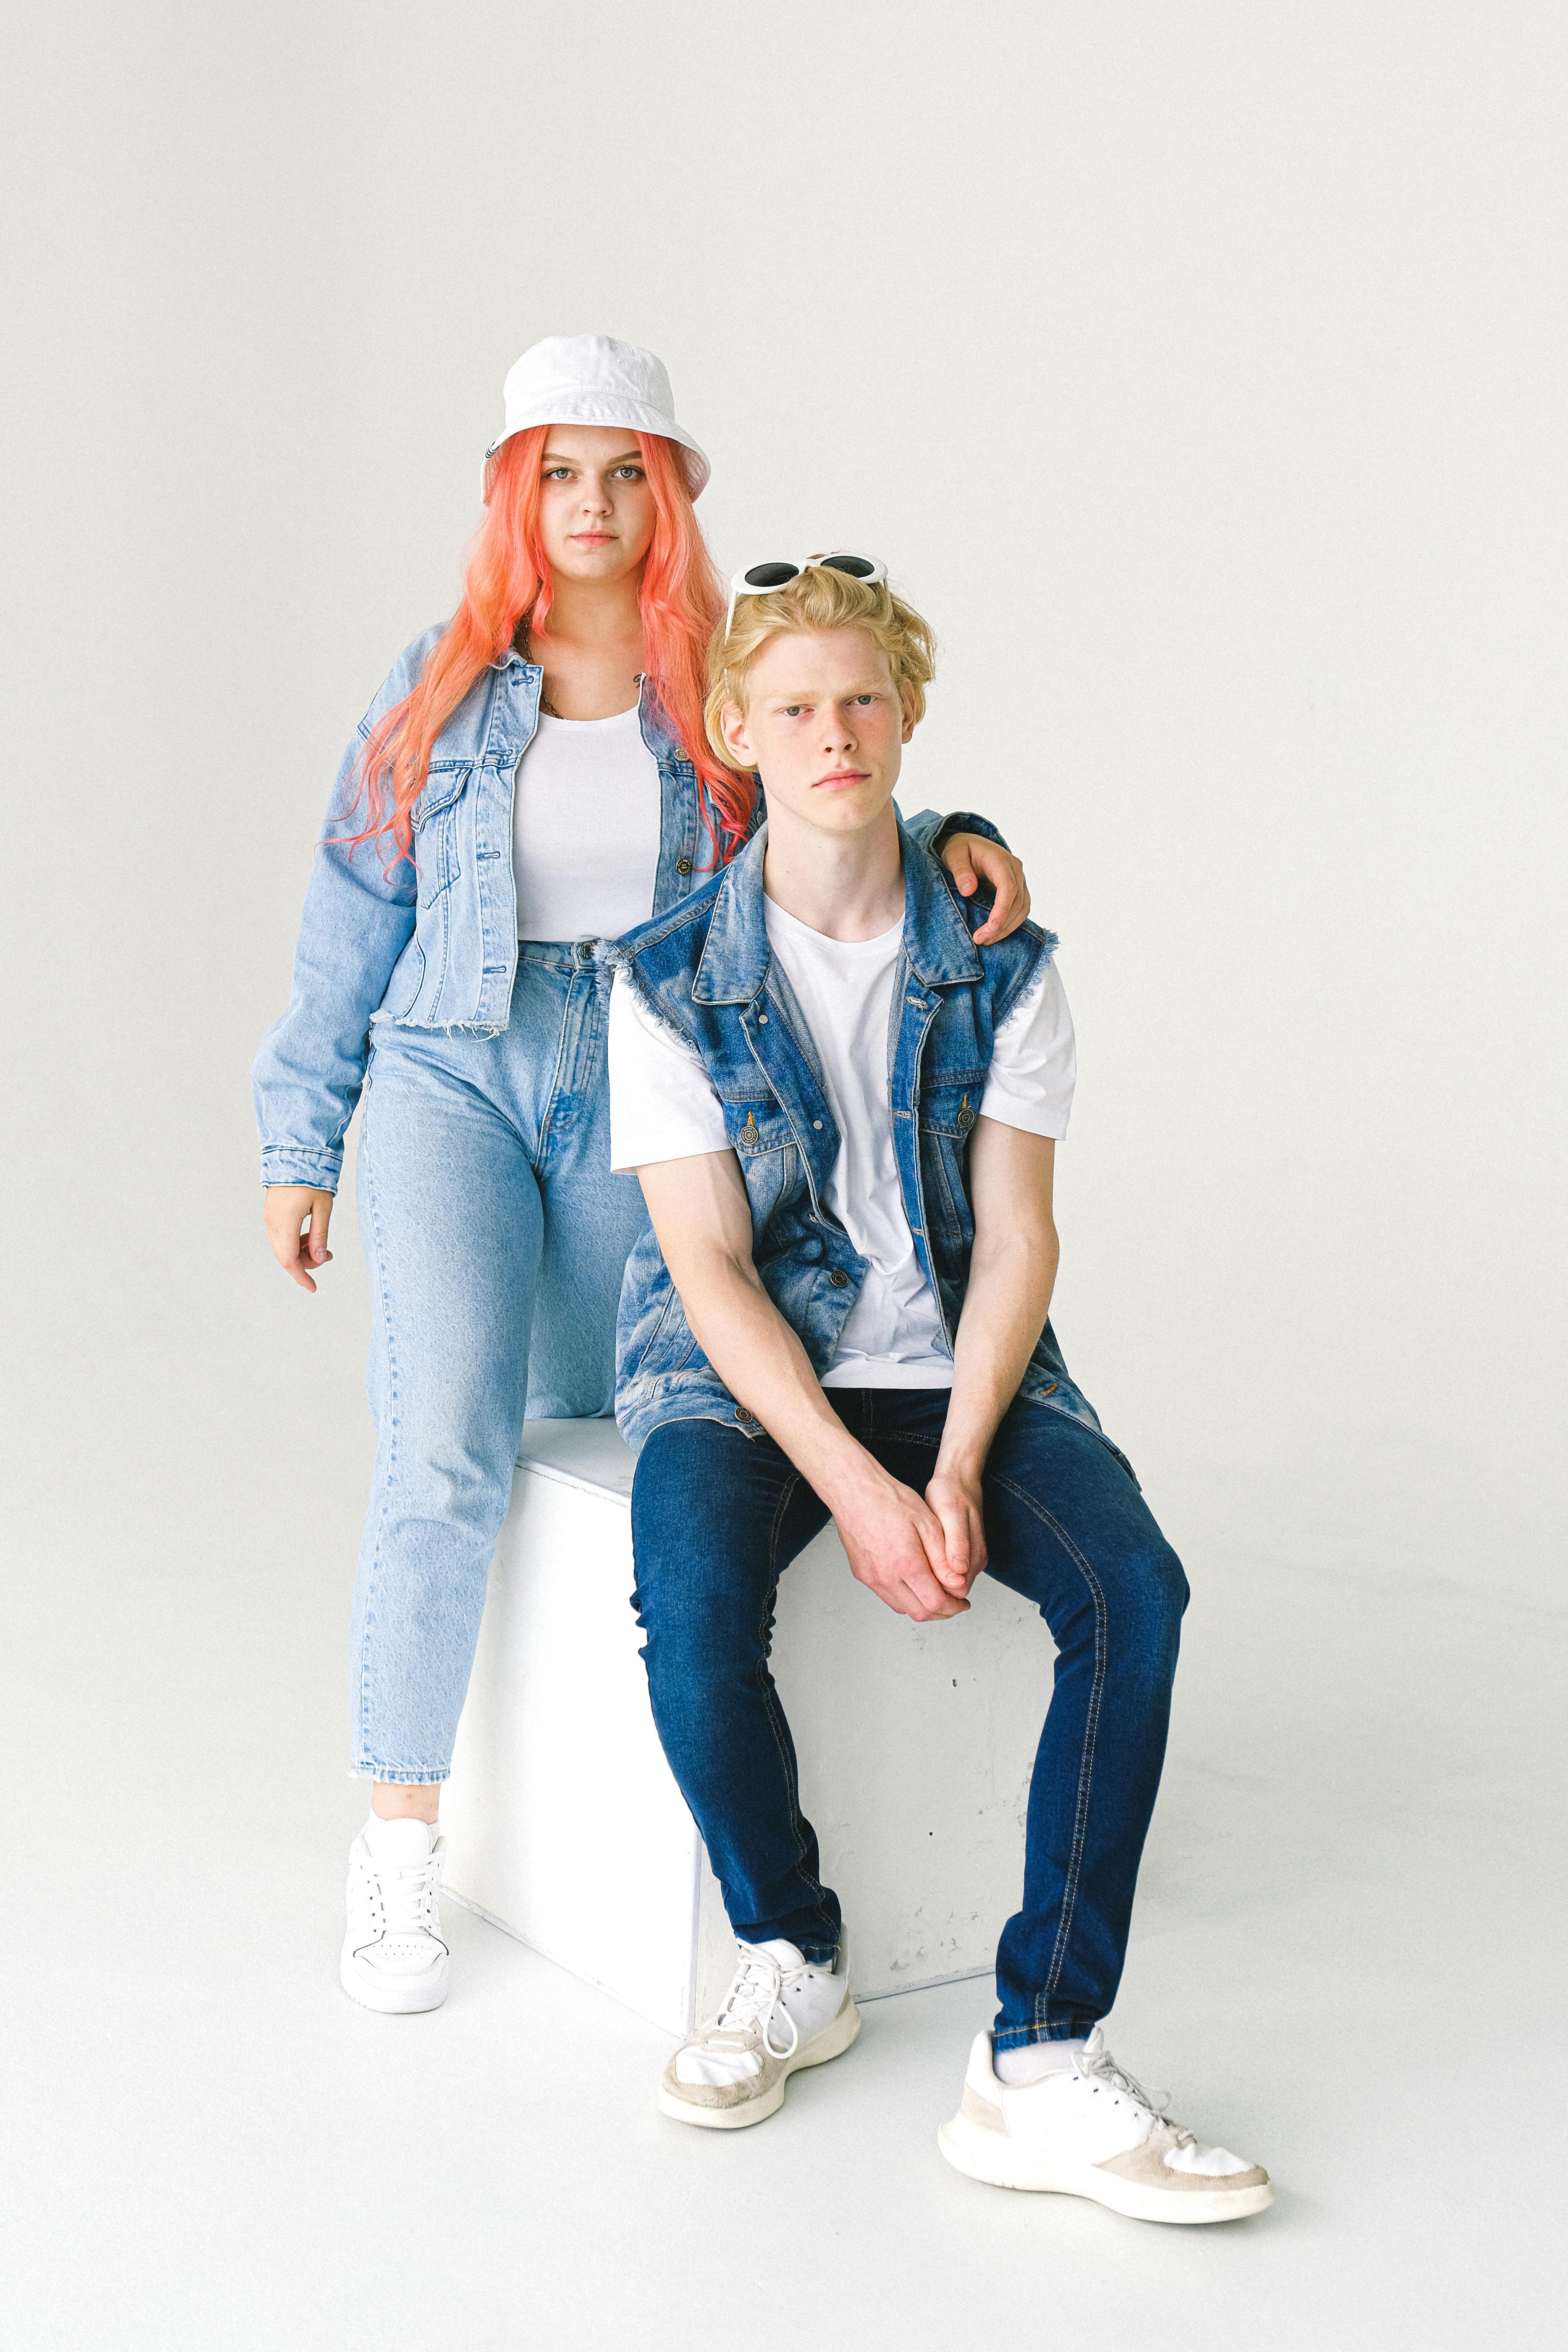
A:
[(1341, 1962)]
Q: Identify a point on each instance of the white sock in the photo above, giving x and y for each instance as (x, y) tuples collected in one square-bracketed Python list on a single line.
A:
[(1031, 2061), (391, 1841)]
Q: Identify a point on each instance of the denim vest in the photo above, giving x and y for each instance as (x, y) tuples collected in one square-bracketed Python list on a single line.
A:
[(705, 972), (432, 943)]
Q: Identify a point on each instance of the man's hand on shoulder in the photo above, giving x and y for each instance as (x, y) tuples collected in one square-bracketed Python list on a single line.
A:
[(897, 1547)]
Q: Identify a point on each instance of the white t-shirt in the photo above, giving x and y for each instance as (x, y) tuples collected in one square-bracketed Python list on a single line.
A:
[(663, 1107), (585, 829)]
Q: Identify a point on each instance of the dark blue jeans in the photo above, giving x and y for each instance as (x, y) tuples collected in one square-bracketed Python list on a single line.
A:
[(716, 1517)]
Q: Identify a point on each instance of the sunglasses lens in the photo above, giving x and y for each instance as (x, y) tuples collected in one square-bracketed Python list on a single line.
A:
[(857, 566), (770, 576)]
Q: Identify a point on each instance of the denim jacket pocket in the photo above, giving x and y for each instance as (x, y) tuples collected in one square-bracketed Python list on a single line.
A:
[(435, 818), (407, 979)]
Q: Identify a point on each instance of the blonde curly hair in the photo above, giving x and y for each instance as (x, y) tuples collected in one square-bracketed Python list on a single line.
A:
[(817, 600)]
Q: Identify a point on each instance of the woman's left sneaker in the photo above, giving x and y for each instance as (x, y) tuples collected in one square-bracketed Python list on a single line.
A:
[(394, 1956), (1093, 2132)]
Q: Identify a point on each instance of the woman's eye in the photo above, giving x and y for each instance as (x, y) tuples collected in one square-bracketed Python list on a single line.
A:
[(558, 473), (628, 473)]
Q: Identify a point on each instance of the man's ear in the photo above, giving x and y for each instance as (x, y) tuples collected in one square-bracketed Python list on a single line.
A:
[(907, 698), (737, 743)]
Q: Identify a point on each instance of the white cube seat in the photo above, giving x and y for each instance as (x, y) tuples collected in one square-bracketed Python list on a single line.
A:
[(565, 1828)]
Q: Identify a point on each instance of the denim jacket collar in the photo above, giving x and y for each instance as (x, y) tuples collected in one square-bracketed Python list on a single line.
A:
[(656, 731), (734, 963)]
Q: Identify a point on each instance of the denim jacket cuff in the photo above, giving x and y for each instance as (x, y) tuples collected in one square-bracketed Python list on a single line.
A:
[(962, 821), (290, 1163)]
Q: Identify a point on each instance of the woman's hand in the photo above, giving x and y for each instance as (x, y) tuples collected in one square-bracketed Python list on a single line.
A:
[(972, 859), (297, 1220)]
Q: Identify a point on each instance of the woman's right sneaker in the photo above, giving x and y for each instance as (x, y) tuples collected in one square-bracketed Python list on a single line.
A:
[(1092, 2131), (393, 1958)]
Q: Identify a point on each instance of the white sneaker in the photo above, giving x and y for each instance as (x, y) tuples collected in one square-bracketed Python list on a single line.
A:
[(781, 2012), (393, 1958), (1092, 2131)]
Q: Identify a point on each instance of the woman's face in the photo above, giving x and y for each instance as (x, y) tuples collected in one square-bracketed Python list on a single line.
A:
[(595, 510)]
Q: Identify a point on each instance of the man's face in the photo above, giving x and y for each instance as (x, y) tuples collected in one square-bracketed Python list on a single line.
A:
[(825, 726)]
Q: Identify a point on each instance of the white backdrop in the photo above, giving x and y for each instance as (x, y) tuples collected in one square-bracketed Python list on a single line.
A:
[(1199, 369)]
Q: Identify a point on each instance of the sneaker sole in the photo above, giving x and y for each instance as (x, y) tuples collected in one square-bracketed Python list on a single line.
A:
[(990, 2156), (396, 1997), (831, 2043)]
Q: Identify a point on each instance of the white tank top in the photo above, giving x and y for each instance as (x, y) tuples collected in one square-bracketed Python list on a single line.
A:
[(585, 829)]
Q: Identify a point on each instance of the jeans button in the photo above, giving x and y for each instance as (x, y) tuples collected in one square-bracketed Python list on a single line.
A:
[(840, 1280), (585, 950), (683, 864)]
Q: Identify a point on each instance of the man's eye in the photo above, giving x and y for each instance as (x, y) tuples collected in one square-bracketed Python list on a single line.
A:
[(865, 698), (794, 710)]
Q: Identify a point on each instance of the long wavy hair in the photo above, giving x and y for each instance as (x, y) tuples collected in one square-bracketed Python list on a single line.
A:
[(506, 579)]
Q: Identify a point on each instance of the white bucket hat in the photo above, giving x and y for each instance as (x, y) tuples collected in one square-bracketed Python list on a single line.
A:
[(594, 380)]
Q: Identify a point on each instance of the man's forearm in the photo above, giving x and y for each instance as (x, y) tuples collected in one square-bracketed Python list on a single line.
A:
[(1005, 1308), (762, 1364), (1012, 1273), (895, 1539)]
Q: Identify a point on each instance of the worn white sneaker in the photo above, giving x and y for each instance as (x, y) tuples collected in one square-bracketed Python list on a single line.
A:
[(393, 1958), (1092, 2131), (781, 2012)]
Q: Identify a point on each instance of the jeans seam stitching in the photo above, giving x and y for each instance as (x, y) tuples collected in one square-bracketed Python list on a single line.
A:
[(557, 1082), (372, 1578), (769, 1688), (1086, 1761)]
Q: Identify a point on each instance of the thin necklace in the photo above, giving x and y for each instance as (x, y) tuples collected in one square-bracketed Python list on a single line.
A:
[(545, 704)]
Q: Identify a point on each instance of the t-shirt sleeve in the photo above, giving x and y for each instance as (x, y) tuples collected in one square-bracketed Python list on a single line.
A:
[(1034, 1061), (662, 1103)]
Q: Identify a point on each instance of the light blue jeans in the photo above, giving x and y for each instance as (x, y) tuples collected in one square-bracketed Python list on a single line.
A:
[(495, 1237)]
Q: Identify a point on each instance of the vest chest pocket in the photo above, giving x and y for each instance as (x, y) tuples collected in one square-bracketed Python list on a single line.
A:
[(759, 1125), (764, 1144), (951, 1106)]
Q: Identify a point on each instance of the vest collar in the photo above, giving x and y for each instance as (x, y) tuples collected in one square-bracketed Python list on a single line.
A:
[(734, 963)]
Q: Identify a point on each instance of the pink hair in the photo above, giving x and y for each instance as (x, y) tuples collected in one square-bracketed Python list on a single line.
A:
[(507, 575)]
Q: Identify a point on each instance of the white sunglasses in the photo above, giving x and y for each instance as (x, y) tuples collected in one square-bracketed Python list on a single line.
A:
[(762, 579)]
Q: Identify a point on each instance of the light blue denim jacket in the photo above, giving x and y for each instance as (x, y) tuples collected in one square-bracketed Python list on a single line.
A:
[(707, 972), (432, 944)]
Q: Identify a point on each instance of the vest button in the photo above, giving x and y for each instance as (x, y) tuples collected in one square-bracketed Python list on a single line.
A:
[(840, 1280), (817, 1123), (683, 864)]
